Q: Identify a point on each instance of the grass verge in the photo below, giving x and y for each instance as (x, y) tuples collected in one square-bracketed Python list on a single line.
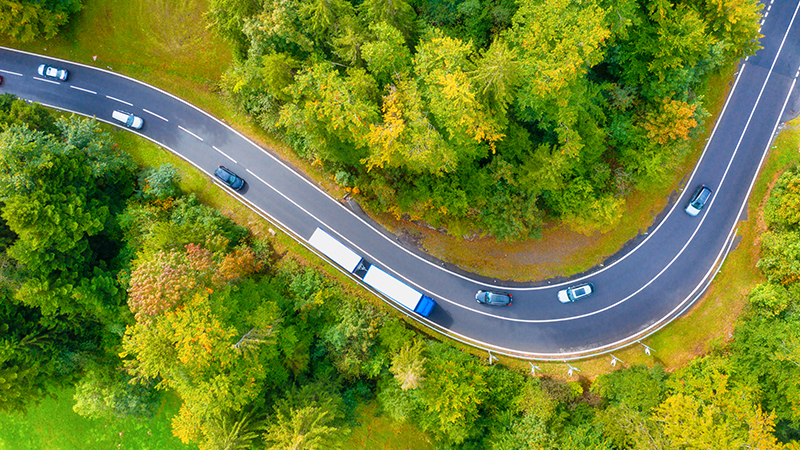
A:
[(379, 432)]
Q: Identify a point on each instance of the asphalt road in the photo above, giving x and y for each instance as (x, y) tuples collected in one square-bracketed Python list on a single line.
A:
[(637, 291)]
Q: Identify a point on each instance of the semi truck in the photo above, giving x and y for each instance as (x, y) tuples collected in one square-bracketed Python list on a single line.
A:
[(370, 274), (399, 291)]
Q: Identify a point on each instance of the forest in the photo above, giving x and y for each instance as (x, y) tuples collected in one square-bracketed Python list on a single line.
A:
[(118, 283), (485, 117)]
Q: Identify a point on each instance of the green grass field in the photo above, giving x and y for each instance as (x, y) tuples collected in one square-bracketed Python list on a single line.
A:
[(52, 425)]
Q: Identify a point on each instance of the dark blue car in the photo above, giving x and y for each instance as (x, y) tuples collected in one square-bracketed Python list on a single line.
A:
[(229, 178)]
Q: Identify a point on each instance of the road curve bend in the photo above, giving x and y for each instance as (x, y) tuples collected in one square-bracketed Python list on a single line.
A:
[(636, 293)]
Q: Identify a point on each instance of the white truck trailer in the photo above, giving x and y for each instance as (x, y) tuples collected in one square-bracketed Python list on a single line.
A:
[(373, 276)]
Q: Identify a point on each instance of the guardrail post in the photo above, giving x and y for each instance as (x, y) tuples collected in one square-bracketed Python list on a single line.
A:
[(571, 368)]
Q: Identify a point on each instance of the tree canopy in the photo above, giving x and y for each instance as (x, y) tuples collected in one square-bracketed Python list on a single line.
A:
[(441, 111)]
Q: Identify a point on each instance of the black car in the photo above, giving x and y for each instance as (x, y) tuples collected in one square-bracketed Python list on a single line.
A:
[(494, 298), (229, 178)]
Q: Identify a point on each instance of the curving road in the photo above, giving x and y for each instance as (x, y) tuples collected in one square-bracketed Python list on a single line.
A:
[(639, 291)]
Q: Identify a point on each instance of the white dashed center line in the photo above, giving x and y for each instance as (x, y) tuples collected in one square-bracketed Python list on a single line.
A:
[(184, 129), (46, 81), (224, 154), (154, 114), (84, 90), (11, 73), (118, 100)]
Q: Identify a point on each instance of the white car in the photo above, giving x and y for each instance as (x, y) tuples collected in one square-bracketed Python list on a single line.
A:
[(575, 293), (53, 72), (128, 119)]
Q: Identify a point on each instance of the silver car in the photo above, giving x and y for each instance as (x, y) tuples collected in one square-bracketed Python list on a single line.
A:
[(699, 199), (494, 298)]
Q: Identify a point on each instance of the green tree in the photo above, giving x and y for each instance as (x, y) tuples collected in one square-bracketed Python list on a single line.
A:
[(353, 338), (442, 65), (323, 17), (398, 13), (302, 423), (57, 199), (769, 299), (707, 410), (161, 182), (408, 366), (192, 351), (638, 387), (782, 210), (669, 39), (15, 111), (110, 395), (628, 428), (332, 113), (407, 137), (780, 257), (558, 42), (279, 28), (452, 393), (278, 71), (34, 354), (237, 433), (764, 357), (388, 56), (582, 437), (735, 23), (25, 20), (228, 17), (497, 75)]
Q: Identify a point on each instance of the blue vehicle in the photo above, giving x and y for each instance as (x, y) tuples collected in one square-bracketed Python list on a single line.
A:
[(229, 178)]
